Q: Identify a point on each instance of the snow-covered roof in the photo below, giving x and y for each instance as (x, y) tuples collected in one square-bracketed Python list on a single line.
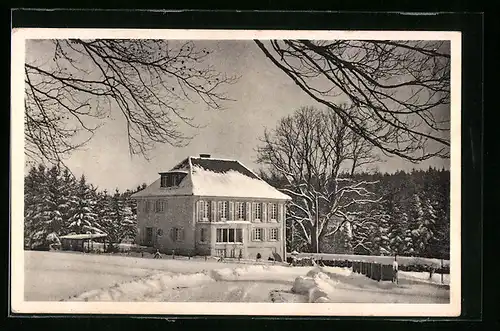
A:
[(176, 171), (215, 178), (84, 236)]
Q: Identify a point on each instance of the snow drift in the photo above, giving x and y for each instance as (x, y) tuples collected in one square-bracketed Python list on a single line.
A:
[(316, 285), (148, 288)]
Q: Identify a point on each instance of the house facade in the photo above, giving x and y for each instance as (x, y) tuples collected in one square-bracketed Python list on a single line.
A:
[(208, 206)]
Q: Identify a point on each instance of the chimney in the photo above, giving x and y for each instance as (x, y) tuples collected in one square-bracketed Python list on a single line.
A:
[(205, 156)]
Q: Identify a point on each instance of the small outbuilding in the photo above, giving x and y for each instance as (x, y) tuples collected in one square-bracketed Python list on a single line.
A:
[(76, 242)]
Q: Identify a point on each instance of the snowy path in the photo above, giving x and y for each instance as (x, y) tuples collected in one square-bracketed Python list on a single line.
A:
[(68, 276)]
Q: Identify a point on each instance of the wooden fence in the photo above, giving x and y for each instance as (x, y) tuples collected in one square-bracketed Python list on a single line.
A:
[(375, 271)]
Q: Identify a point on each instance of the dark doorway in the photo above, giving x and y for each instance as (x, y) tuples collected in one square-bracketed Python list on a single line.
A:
[(149, 236)]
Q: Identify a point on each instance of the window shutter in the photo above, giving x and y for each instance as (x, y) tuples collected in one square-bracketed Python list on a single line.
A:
[(263, 234), (231, 210), (200, 210), (182, 234), (248, 211), (219, 210), (254, 210), (269, 211), (263, 211), (213, 210), (280, 213), (172, 234)]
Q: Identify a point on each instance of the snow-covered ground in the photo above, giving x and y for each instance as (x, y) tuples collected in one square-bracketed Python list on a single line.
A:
[(424, 277), (59, 275), (72, 276)]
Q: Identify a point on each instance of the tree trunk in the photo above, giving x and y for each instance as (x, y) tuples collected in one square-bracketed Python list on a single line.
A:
[(315, 234), (315, 238)]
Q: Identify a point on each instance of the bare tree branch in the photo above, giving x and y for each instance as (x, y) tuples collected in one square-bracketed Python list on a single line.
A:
[(393, 88), (149, 82), (316, 154)]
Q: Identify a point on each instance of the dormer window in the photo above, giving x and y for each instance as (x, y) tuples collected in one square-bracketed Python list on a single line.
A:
[(172, 179)]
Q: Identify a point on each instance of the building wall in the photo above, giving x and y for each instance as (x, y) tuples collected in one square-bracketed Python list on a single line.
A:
[(265, 247), (203, 248), (248, 247), (183, 212), (178, 212)]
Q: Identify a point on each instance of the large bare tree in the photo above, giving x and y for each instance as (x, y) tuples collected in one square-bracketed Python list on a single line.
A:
[(315, 154), (148, 82), (399, 90)]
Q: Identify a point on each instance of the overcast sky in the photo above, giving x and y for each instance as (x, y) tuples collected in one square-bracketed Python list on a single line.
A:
[(262, 95)]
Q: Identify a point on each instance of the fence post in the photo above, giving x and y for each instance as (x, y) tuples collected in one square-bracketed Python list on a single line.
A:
[(442, 271)]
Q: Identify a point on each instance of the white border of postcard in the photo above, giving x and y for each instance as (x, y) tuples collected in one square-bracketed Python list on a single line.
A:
[(286, 309)]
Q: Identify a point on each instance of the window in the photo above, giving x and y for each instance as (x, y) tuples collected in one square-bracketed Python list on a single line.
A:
[(147, 206), (206, 209), (177, 234), (159, 232), (257, 211), (240, 210), (203, 210), (172, 179), (257, 234), (223, 210), (274, 212), (203, 235), (164, 181), (159, 206), (229, 235), (273, 234)]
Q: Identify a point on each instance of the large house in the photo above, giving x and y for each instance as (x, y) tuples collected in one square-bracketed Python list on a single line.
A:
[(207, 206)]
